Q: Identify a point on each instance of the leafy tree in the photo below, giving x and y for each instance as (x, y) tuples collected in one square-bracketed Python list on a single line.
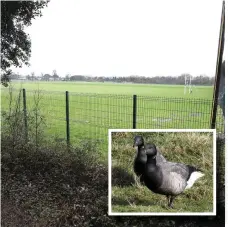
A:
[(28, 77), (14, 76), (55, 75), (77, 78), (15, 43), (67, 77), (46, 77), (33, 77)]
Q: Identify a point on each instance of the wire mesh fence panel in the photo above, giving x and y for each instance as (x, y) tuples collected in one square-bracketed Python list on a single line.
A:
[(46, 110), (91, 115), (163, 112)]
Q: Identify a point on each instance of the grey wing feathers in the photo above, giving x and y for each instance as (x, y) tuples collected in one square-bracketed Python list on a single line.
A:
[(173, 184), (178, 168)]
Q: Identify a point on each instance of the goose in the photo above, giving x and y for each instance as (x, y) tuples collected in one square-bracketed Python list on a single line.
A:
[(141, 157), (168, 178)]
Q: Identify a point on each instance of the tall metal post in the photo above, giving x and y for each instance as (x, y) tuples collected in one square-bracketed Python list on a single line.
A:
[(25, 115), (67, 119), (134, 110), (185, 81), (218, 67)]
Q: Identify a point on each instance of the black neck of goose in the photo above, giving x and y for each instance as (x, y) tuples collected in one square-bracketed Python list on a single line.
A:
[(151, 160), (140, 150)]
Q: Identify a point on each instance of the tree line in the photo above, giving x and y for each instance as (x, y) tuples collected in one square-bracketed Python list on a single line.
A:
[(179, 80)]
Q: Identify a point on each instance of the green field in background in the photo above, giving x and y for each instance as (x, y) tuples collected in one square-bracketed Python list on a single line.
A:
[(205, 92)]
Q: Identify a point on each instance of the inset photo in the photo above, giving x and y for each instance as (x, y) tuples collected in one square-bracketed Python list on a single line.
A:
[(162, 172)]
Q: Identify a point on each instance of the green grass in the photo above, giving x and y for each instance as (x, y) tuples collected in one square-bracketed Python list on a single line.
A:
[(176, 91), (191, 148)]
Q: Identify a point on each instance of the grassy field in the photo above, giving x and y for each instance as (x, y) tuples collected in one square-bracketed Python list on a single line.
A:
[(177, 91), (190, 148), (96, 107)]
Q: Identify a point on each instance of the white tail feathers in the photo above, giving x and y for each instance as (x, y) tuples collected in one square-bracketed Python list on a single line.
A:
[(194, 176)]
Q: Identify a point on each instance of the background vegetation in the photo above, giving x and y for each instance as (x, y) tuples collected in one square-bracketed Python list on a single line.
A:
[(174, 80)]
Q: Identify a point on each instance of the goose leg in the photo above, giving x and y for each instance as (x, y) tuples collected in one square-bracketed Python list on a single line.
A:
[(168, 198), (171, 201)]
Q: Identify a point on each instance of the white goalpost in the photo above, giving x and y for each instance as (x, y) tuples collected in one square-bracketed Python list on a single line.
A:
[(188, 84)]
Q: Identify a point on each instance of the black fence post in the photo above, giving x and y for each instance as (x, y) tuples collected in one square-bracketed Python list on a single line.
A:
[(67, 119), (134, 110), (25, 115), (218, 67)]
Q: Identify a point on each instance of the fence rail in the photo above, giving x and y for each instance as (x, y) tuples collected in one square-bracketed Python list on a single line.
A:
[(75, 116)]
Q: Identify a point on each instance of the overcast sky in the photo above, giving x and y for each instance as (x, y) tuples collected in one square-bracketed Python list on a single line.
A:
[(126, 37)]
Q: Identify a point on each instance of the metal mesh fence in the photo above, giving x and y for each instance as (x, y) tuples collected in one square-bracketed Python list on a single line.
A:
[(51, 108), (91, 115), (163, 112)]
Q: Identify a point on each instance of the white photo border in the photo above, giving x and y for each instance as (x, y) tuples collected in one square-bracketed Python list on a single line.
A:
[(213, 213)]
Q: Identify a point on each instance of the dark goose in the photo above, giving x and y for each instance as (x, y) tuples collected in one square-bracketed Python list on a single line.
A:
[(168, 178), (141, 157)]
